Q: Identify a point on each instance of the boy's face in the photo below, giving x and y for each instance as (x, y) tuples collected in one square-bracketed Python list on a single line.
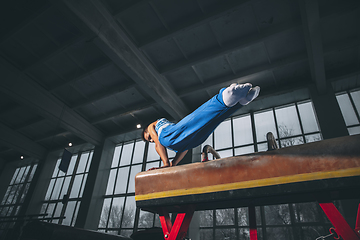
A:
[(148, 137)]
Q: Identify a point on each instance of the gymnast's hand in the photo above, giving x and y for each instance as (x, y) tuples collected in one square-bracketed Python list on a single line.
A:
[(154, 168)]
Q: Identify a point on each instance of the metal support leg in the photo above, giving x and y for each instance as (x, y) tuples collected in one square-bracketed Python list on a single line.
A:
[(252, 222), (342, 228), (357, 225), (179, 229)]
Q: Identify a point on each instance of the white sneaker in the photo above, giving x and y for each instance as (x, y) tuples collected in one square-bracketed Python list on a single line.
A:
[(250, 96)]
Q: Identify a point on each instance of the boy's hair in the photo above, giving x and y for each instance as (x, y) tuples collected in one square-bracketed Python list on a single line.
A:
[(142, 133)]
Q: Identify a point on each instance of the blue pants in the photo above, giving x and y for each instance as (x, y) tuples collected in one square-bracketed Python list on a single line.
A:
[(195, 128)]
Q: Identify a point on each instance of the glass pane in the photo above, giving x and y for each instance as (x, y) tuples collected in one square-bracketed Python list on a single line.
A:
[(16, 193), (244, 233), (306, 212), (356, 99), (139, 152), (264, 123), (57, 188), (152, 164), (12, 194), (206, 218), (25, 174), (76, 186), (146, 219), (129, 213), (277, 214), (82, 163), (243, 216), (116, 213), (279, 233), (262, 147), (116, 157), (313, 138), (65, 188), (225, 234), (126, 154), (20, 175), (134, 170), (206, 234), (242, 131), (122, 179), (69, 212), (308, 118), (89, 161), (157, 220), (32, 173), (14, 176), (75, 213), (225, 216), (225, 153), (354, 130), (105, 213), (288, 121), (347, 110), (71, 165), (50, 188), (314, 232), (152, 154), (244, 150), (222, 135), (58, 209), (8, 191), (291, 142), (26, 188), (111, 181), (83, 184), (56, 170), (49, 211)]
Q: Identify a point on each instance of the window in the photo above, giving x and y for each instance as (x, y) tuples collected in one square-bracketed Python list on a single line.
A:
[(349, 103), (15, 195), (67, 185), (119, 209), (291, 124)]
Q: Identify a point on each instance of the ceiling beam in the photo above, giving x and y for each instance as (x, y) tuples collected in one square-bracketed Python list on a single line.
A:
[(245, 42), (104, 94), (80, 76), (26, 91), (246, 74), (123, 112), (312, 32), (194, 22), (243, 76), (113, 41), (56, 52), (26, 22), (20, 143), (131, 5)]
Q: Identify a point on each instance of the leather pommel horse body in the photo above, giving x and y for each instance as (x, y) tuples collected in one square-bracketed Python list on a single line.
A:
[(321, 171)]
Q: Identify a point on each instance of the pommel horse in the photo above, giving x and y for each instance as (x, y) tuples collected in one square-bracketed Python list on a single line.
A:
[(321, 171)]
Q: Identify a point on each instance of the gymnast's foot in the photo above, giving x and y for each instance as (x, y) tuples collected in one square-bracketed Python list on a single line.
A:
[(250, 96), (234, 92)]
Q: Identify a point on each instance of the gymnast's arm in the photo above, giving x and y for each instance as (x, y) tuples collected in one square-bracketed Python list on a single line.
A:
[(160, 149)]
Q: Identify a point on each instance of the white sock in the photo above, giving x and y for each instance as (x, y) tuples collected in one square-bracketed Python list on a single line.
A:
[(250, 96), (235, 92)]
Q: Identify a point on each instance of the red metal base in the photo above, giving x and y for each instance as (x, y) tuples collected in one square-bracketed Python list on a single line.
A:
[(179, 229), (342, 228), (252, 223)]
